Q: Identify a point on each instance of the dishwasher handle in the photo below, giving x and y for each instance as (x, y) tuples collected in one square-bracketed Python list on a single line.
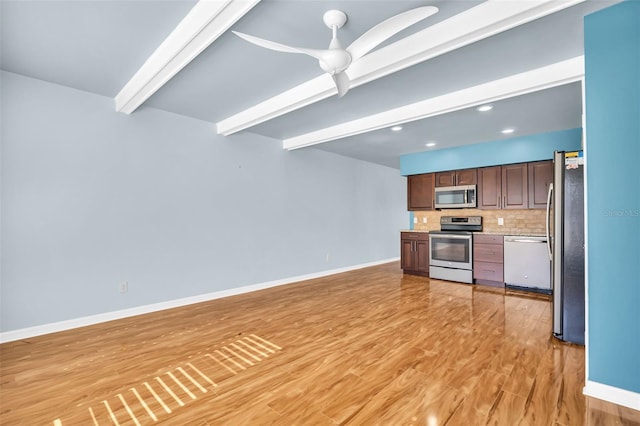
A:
[(525, 240)]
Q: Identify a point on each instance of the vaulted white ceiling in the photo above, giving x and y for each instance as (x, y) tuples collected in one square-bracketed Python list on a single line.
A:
[(523, 57)]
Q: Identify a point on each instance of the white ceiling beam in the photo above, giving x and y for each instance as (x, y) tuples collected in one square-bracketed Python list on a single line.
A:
[(553, 75), (487, 19), (204, 23)]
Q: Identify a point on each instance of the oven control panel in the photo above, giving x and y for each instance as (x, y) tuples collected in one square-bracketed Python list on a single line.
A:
[(461, 220), (461, 223)]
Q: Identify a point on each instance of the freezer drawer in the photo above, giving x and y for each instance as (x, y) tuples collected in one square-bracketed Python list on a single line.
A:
[(526, 263)]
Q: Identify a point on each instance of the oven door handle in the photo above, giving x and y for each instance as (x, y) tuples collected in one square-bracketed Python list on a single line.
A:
[(453, 237)]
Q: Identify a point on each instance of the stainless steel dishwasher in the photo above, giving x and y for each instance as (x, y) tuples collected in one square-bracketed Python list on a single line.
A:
[(526, 263)]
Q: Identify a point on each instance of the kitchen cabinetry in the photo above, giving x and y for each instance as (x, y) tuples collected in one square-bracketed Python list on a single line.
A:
[(515, 191), (503, 187), (457, 177), (489, 187), (420, 191), (414, 253), (488, 259), (540, 177)]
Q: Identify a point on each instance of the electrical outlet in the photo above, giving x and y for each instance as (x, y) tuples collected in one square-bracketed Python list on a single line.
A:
[(124, 287), (415, 220), (500, 221)]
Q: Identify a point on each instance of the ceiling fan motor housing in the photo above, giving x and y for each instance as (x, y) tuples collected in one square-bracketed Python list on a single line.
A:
[(335, 61), (334, 18)]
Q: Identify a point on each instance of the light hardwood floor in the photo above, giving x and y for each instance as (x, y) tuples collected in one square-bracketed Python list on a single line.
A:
[(365, 347)]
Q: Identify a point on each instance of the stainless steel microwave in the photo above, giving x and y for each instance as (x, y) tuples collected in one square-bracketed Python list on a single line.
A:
[(456, 197)]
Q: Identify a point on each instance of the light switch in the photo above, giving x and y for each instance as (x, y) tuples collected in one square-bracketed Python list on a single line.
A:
[(500, 221), (424, 220)]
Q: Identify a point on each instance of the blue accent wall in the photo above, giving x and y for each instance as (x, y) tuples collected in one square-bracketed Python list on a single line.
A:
[(515, 150), (612, 84)]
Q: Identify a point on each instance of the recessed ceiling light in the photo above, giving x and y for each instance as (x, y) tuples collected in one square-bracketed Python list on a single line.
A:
[(484, 108), (430, 144), (396, 128), (508, 130)]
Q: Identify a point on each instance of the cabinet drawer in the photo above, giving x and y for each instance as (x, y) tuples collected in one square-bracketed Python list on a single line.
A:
[(488, 239), (488, 271), (414, 235), (488, 253)]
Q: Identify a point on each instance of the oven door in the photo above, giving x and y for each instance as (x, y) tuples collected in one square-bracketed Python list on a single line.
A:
[(451, 250)]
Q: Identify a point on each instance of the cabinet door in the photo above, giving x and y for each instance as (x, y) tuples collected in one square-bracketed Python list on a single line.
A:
[(493, 253), (540, 177), (406, 255), (515, 192), (489, 188), (420, 191), (487, 271), (445, 178), (467, 177), (422, 255)]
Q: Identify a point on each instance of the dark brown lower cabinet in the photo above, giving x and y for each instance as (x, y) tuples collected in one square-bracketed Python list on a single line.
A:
[(414, 253), (488, 260)]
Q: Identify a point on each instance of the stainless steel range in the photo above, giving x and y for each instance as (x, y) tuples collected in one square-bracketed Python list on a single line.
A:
[(451, 248)]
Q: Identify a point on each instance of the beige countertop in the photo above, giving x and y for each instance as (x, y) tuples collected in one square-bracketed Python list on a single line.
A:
[(483, 233)]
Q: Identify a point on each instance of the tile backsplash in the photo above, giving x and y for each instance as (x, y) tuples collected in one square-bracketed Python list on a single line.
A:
[(516, 222)]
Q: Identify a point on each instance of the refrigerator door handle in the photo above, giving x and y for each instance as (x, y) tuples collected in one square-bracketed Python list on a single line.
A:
[(548, 221)]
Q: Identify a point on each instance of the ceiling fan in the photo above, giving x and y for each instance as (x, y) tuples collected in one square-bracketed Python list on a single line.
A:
[(335, 60)]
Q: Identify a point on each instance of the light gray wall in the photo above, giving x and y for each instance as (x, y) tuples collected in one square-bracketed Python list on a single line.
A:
[(91, 198)]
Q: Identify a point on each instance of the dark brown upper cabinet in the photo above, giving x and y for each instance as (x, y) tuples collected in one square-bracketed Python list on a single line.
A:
[(503, 187), (540, 178), (515, 190), (457, 177), (420, 191), (489, 187)]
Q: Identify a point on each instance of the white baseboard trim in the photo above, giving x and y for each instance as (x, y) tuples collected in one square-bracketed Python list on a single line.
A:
[(25, 333), (612, 394)]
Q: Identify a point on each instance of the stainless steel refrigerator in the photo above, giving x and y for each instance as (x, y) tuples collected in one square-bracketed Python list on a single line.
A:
[(565, 239)]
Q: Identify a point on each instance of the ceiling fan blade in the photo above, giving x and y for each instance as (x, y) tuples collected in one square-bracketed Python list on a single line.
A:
[(342, 83), (315, 53), (376, 35)]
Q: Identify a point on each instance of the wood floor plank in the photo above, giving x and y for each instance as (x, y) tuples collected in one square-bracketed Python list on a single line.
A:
[(371, 346), (572, 403), (507, 409), (604, 413), (524, 370), (543, 401)]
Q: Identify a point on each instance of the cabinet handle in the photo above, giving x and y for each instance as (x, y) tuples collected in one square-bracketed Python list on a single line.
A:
[(504, 201), (498, 201)]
